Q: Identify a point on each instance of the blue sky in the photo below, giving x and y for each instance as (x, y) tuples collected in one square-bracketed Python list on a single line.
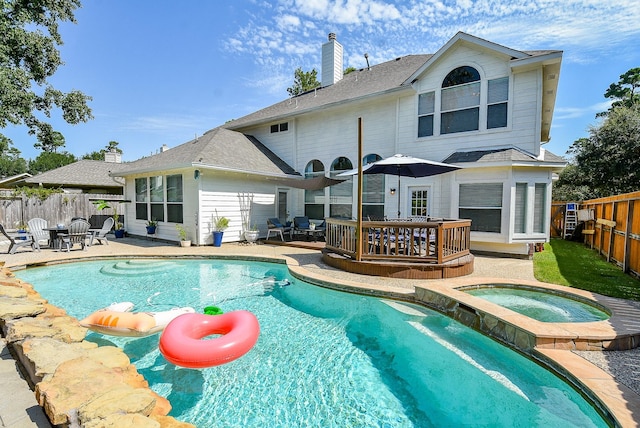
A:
[(161, 72)]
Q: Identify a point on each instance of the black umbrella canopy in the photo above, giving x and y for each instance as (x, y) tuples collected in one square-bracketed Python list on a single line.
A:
[(404, 166), (408, 166)]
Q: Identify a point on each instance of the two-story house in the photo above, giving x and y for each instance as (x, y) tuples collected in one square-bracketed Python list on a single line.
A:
[(476, 104)]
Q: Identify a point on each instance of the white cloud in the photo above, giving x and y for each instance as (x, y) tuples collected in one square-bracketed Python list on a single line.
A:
[(577, 112)]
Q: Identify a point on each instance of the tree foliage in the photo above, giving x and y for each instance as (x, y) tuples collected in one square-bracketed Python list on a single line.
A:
[(47, 161), (607, 162), (10, 161), (29, 39), (99, 155), (625, 92), (303, 81)]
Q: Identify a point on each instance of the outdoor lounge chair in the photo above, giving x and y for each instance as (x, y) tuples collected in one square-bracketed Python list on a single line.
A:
[(16, 242), (274, 226), (77, 234), (101, 234), (37, 228)]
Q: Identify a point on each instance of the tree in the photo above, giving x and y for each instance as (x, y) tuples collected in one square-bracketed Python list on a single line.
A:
[(29, 39), (625, 92), (608, 161), (99, 155), (47, 161), (10, 161), (303, 81), (50, 141)]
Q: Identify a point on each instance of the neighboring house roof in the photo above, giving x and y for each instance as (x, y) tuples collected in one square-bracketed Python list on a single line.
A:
[(84, 173), (506, 155), (396, 75), (12, 180), (218, 149)]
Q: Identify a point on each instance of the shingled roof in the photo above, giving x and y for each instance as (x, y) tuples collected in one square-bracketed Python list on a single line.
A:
[(389, 76), (84, 173), (220, 149), (358, 84), (502, 155)]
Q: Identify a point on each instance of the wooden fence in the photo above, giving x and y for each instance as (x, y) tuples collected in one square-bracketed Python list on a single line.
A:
[(613, 228), (58, 208)]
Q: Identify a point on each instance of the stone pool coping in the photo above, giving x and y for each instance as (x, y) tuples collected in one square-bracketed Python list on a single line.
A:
[(620, 402)]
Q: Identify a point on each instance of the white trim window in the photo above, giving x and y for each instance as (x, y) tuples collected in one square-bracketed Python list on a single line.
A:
[(482, 204), (528, 220), (462, 104), (159, 197)]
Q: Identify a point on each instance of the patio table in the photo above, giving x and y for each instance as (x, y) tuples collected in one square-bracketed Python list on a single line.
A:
[(53, 235)]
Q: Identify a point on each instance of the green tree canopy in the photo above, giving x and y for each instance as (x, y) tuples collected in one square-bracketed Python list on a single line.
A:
[(29, 39), (626, 92), (10, 161), (99, 155), (303, 81), (607, 162), (47, 161)]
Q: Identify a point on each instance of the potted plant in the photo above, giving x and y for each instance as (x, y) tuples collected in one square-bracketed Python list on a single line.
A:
[(252, 233), (118, 228), (22, 228), (151, 226), (219, 224), (182, 233)]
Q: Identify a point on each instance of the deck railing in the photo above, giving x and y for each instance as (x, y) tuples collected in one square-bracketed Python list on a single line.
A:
[(400, 240)]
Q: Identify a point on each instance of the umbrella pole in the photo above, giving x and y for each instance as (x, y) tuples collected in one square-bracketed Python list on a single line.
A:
[(398, 195), (359, 236)]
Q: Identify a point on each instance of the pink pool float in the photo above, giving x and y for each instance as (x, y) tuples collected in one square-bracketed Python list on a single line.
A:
[(182, 342)]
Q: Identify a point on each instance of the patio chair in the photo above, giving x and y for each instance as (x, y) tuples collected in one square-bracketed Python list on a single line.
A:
[(16, 242), (101, 234), (300, 225), (77, 234), (277, 228), (37, 228)]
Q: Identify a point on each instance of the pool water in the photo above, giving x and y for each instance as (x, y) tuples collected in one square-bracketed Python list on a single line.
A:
[(541, 306), (323, 358)]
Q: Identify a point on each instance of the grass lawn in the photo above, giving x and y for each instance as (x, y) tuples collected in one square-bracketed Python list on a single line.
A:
[(575, 265)]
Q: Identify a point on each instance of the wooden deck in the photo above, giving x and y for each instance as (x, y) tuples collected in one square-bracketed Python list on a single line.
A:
[(389, 266)]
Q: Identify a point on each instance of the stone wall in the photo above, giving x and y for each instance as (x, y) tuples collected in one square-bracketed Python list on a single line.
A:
[(78, 383)]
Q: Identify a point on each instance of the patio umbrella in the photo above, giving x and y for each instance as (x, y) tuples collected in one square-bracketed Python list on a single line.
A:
[(404, 166)]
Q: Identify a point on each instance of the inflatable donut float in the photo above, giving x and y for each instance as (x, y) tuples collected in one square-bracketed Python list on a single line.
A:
[(115, 320), (181, 341)]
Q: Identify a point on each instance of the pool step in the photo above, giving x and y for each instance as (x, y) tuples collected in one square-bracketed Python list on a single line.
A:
[(138, 267)]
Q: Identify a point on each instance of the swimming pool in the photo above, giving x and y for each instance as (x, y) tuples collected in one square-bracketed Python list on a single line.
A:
[(324, 358), (539, 304)]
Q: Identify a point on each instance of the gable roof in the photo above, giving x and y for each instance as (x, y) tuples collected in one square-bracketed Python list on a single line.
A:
[(398, 75), (357, 85), (218, 149), (83, 173), (12, 180)]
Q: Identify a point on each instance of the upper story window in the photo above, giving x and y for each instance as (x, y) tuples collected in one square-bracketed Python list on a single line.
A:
[(460, 101), (459, 105), (280, 127)]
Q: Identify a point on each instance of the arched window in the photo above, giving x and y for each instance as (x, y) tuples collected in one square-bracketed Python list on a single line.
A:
[(314, 199), (460, 101), (372, 191), (341, 195)]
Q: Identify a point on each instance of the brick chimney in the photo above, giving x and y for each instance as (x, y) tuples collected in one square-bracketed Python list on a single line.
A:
[(331, 61)]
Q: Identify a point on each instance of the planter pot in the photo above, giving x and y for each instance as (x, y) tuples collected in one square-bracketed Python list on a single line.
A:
[(251, 235), (23, 238), (185, 243), (217, 238), (151, 230), (119, 233)]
